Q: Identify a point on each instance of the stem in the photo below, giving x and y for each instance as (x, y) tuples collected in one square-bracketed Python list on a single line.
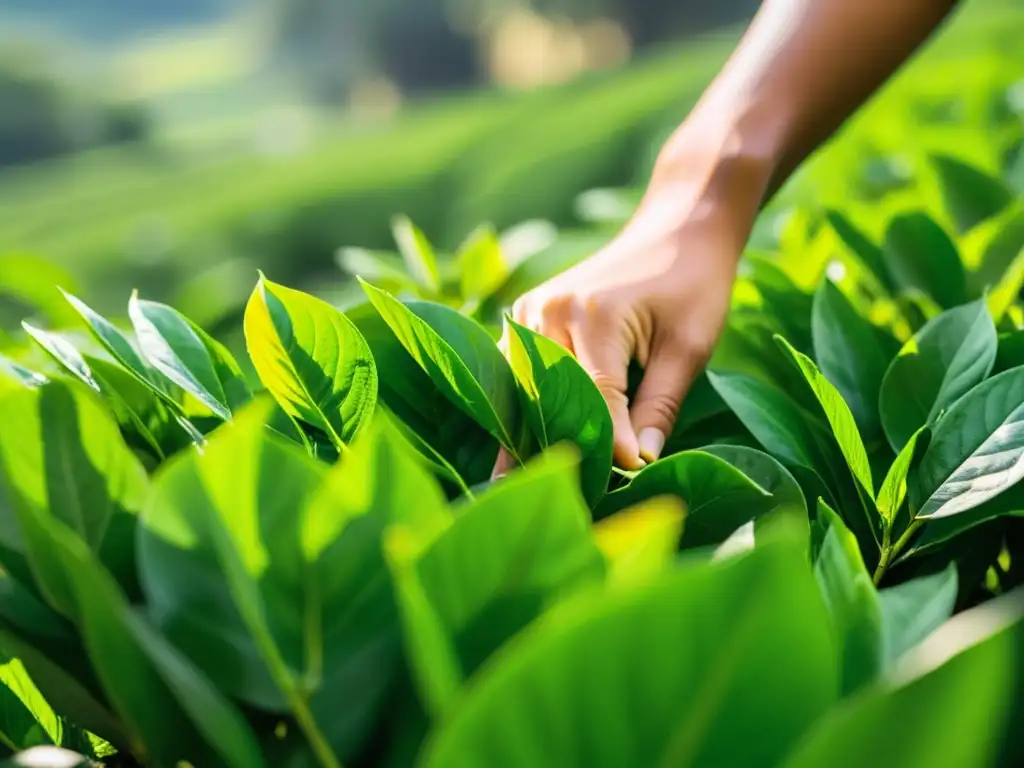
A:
[(890, 552)]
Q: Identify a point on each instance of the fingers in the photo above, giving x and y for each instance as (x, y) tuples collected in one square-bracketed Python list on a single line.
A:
[(667, 378), (604, 352)]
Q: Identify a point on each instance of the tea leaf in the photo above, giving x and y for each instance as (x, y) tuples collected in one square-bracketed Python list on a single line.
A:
[(967, 660), (894, 487), (869, 254), (921, 255), (187, 356), (852, 602), (915, 609), (418, 254), (852, 353), (482, 265), (562, 404), (949, 356), (26, 720), (174, 713), (844, 428), (517, 549), (461, 359), (971, 196), (690, 649), (976, 450), (64, 460), (312, 360), (640, 543), (438, 427), (718, 497)]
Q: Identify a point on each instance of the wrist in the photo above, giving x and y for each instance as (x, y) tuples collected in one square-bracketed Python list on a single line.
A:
[(726, 153)]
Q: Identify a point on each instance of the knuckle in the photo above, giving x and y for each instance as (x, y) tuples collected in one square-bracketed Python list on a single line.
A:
[(662, 407), (557, 309)]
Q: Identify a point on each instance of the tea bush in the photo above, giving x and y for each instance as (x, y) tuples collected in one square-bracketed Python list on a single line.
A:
[(313, 566)]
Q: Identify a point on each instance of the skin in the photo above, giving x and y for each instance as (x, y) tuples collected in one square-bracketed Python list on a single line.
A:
[(659, 292)]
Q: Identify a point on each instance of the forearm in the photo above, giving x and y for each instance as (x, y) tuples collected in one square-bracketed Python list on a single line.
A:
[(803, 67)]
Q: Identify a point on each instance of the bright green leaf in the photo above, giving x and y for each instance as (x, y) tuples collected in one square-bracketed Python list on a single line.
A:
[(640, 543), (419, 256), (723, 664), (894, 487), (187, 356), (312, 359), (562, 404)]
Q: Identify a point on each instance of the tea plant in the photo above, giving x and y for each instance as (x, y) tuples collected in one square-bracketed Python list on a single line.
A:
[(315, 567)]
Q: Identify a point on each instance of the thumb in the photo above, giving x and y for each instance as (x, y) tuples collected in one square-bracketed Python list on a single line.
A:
[(666, 380), (605, 354)]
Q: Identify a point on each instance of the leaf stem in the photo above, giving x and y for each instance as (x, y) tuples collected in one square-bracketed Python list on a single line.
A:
[(889, 553)]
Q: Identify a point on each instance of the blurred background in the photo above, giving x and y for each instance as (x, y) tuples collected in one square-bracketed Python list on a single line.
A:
[(175, 146)]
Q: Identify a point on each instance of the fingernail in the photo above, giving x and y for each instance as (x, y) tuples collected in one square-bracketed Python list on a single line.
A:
[(652, 440)]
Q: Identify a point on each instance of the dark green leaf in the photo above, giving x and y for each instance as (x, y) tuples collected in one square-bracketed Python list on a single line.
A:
[(312, 359), (915, 609), (950, 355), (723, 664), (869, 254), (440, 427), (187, 356), (852, 353), (719, 498), (562, 404), (921, 255), (970, 195), (461, 359)]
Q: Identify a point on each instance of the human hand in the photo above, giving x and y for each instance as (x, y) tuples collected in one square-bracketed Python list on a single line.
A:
[(658, 293)]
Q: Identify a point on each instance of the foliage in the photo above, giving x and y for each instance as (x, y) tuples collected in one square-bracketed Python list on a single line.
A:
[(302, 558)]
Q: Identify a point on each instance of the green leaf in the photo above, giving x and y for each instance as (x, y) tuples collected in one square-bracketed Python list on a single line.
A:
[(81, 701), (966, 661), (187, 356), (976, 449), (836, 411), (852, 353), (312, 359), (26, 720), (441, 428), (970, 195), (723, 664), (562, 404), (418, 254), (461, 359), (518, 548), (915, 609), (639, 543), (869, 254), (1006, 292), (20, 374), (287, 556), (120, 346), (171, 711), (852, 602), (64, 460), (788, 502), (951, 354), (719, 498), (894, 488), (482, 265), (921, 255)]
